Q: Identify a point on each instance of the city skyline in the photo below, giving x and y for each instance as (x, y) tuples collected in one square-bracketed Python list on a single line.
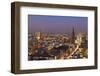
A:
[(56, 24), (57, 37)]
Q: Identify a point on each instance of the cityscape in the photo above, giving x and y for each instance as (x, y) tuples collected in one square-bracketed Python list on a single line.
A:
[(55, 45)]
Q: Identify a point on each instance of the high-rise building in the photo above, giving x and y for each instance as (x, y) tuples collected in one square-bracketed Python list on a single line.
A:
[(38, 35), (81, 38)]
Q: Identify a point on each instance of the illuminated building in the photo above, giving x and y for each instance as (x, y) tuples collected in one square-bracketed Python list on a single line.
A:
[(38, 35), (81, 38)]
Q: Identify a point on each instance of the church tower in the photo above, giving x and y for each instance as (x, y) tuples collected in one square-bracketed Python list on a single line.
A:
[(73, 36)]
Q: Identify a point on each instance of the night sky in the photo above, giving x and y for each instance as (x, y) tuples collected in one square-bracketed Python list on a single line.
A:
[(57, 24)]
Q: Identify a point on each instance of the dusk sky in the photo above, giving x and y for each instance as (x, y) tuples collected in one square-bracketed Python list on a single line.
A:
[(57, 24)]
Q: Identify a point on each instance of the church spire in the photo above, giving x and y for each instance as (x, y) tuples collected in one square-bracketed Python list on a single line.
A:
[(73, 36)]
